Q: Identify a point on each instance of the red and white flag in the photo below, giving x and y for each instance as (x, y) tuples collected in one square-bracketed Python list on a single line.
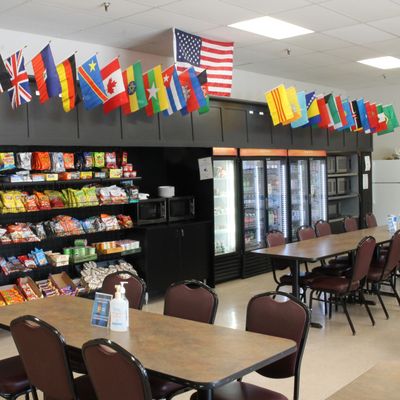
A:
[(114, 86), (205, 54)]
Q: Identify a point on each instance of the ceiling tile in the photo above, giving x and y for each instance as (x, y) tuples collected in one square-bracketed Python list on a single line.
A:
[(354, 53), (6, 5), (317, 59), (278, 49), (162, 19), (360, 34), (268, 7), (316, 18), (160, 44), (391, 25), (244, 55), (318, 42), (213, 11), (387, 47), (367, 10)]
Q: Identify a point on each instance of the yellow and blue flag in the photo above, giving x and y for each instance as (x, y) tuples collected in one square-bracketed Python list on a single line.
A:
[(303, 120), (91, 83), (314, 117)]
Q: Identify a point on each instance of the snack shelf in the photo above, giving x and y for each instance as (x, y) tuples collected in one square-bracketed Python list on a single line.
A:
[(15, 185)]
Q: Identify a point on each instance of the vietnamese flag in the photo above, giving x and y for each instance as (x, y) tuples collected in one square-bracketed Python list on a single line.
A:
[(323, 112)]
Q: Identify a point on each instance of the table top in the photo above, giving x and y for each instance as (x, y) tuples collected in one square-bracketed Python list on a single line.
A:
[(380, 382), (200, 355), (326, 246)]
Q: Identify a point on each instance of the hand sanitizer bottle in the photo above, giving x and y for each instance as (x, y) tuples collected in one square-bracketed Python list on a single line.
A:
[(118, 312), (123, 291)]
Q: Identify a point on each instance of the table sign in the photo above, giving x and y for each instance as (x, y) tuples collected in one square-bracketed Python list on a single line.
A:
[(101, 310)]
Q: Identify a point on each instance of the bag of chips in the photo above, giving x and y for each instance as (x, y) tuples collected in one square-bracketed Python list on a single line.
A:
[(7, 161), (57, 162), (69, 160), (41, 161), (24, 161), (42, 201)]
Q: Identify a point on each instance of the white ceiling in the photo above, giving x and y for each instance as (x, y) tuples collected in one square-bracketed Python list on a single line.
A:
[(345, 31)]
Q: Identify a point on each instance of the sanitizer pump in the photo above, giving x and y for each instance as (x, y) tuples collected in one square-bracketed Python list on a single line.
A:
[(123, 291), (119, 309)]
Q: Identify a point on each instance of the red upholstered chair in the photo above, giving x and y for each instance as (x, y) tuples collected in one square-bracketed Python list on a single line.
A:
[(43, 353), (383, 270), (305, 232), (350, 224), (322, 228), (370, 220), (340, 287), (289, 319), (115, 373), (191, 300)]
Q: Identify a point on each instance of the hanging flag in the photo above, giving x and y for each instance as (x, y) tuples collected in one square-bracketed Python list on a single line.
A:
[(67, 74), (5, 81), (313, 114), (303, 120), (114, 86), (325, 120), (357, 127), (372, 116), (363, 115), (201, 53), (192, 91), (91, 83), (382, 125), (46, 76), (333, 112), (348, 113), (391, 119), (294, 104), (155, 91), (342, 115), (174, 91), (279, 105), (19, 92), (202, 77), (133, 80)]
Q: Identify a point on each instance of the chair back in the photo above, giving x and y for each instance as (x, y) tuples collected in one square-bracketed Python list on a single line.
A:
[(135, 288), (350, 224), (192, 300), (275, 238), (305, 232), (362, 262), (289, 319), (393, 255), (115, 373), (43, 353), (322, 228), (370, 220)]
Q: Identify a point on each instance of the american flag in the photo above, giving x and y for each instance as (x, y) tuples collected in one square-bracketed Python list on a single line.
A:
[(19, 92), (215, 57)]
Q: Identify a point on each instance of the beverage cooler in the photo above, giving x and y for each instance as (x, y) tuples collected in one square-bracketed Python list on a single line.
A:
[(308, 188)]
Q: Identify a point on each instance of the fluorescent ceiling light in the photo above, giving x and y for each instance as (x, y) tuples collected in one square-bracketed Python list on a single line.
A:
[(382, 62), (271, 27)]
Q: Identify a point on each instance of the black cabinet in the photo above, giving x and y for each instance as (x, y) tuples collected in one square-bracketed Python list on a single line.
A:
[(234, 126), (319, 138), (301, 138), (364, 141), (176, 130), (350, 140), (281, 137), (139, 129), (207, 128), (176, 252), (335, 141), (259, 127)]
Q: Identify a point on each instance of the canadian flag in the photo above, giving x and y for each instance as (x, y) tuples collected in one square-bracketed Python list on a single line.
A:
[(114, 86)]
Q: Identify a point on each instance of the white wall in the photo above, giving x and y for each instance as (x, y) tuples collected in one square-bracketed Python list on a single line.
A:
[(383, 145)]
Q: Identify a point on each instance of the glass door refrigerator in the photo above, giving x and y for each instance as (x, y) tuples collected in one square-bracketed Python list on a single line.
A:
[(308, 200), (227, 246)]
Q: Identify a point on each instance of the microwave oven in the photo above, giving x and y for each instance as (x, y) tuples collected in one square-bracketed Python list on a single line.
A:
[(343, 186), (332, 186), (180, 208), (331, 165), (151, 211), (342, 164), (334, 209)]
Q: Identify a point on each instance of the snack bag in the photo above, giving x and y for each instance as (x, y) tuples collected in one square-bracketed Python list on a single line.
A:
[(42, 201), (99, 161), (56, 198), (7, 161), (91, 196), (88, 161), (8, 202), (69, 160), (19, 205), (24, 161), (125, 221), (41, 161), (122, 158), (29, 202), (111, 160), (57, 162)]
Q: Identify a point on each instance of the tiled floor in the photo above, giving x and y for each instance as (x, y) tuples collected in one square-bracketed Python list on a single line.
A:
[(333, 357)]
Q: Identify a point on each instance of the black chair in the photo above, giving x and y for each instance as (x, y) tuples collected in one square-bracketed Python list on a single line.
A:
[(191, 300), (114, 372), (43, 352), (289, 319)]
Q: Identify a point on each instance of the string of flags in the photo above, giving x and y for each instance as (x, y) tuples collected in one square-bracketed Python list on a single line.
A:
[(300, 109), (182, 87)]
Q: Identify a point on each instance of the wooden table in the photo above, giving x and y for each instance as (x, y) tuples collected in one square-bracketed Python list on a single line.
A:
[(198, 355), (380, 382), (317, 249)]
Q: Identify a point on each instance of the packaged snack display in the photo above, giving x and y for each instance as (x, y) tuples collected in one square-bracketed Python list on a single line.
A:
[(99, 159), (29, 288), (11, 294), (24, 161), (63, 283), (57, 259), (42, 201), (41, 161), (4, 236), (86, 175), (20, 232), (38, 177), (51, 177), (38, 229), (39, 257), (56, 198), (69, 160), (7, 161), (48, 288), (110, 222), (29, 202), (57, 162), (122, 158), (112, 195), (125, 221), (111, 160), (65, 225)]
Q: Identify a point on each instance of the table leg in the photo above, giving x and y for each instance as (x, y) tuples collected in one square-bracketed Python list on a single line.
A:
[(295, 271), (205, 394)]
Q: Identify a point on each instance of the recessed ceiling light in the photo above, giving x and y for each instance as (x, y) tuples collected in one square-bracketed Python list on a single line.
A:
[(271, 27), (382, 62)]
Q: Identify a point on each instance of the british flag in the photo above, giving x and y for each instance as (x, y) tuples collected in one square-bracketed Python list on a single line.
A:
[(19, 92)]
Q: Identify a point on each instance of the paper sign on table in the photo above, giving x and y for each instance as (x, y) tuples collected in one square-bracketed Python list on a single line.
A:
[(101, 310)]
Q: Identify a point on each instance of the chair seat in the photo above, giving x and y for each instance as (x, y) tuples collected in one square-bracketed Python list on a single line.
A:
[(334, 269), (244, 391), (84, 388), (335, 284), (340, 260), (13, 379), (162, 388), (288, 279)]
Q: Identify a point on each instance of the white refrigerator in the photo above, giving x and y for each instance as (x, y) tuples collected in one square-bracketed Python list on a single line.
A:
[(385, 189)]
